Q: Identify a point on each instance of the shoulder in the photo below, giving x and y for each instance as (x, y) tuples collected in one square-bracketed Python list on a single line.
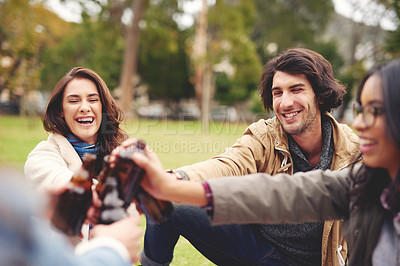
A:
[(265, 127), (45, 146), (59, 144), (343, 131), (54, 143), (267, 131), (51, 161)]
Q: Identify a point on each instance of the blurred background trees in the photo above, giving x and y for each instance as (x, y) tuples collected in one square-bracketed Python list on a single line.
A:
[(37, 47)]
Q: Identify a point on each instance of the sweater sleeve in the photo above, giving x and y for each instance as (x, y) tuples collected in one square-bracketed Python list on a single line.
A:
[(261, 198), (45, 165)]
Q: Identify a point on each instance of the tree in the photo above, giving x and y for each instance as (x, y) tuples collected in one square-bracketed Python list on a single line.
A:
[(201, 83), (26, 30), (97, 43), (129, 67), (293, 23), (232, 54), (163, 61), (393, 41)]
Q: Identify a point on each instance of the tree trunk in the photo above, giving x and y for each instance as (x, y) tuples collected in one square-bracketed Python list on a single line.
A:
[(129, 66), (199, 61)]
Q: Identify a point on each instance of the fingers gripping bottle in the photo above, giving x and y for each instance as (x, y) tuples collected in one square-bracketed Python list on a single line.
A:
[(108, 189), (73, 203), (128, 177)]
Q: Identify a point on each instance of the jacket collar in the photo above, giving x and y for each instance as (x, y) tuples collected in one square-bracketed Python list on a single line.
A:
[(345, 140)]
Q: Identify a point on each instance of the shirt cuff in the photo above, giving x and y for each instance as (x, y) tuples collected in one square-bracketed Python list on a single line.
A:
[(109, 242), (210, 199)]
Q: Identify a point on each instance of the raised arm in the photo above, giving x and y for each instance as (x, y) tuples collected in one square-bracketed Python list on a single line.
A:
[(258, 198), (166, 187)]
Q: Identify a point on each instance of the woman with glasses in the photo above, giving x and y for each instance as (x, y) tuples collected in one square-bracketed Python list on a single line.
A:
[(366, 196)]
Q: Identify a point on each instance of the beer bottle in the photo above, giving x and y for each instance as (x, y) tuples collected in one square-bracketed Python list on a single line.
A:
[(130, 175), (156, 210), (113, 207), (73, 203)]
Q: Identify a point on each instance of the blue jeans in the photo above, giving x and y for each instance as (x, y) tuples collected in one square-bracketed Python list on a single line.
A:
[(223, 245)]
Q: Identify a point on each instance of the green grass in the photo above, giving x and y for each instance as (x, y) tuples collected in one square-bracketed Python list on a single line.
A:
[(177, 143)]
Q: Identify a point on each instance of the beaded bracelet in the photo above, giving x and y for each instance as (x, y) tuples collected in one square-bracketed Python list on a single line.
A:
[(210, 199)]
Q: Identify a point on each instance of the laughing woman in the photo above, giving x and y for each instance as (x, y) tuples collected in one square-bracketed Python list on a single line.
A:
[(81, 116), (366, 196)]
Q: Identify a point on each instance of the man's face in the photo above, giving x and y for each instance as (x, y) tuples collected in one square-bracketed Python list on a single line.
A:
[(294, 103)]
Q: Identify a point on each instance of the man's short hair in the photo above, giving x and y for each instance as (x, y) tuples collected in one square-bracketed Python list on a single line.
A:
[(314, 67)]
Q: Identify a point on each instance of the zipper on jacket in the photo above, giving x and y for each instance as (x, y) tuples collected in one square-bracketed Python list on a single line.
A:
[(340, 257), (284, 165)]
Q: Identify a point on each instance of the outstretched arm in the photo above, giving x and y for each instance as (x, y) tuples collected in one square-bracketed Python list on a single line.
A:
[(158, 183), (164, 186)]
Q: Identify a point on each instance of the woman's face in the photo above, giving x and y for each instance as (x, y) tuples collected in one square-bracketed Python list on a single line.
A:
[(82, 109), (377, 148)]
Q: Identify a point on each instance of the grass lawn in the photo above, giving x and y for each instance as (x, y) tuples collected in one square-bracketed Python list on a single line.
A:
[(177, 143)]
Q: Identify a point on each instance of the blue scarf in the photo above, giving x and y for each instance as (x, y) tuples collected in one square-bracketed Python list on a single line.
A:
[(82, 147)]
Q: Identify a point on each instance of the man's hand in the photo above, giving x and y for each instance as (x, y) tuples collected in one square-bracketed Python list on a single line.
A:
[(155, 177)]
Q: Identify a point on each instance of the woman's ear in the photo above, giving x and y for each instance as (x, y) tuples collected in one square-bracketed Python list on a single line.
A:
[(62, 114)]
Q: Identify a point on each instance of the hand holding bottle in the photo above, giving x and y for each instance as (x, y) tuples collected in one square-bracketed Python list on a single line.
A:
[(126, 231)]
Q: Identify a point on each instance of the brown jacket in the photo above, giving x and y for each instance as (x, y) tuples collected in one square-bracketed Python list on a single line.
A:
[(263, 148)]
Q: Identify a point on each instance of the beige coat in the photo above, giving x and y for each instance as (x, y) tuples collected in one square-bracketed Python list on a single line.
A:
[(52, 162), (263, 148)]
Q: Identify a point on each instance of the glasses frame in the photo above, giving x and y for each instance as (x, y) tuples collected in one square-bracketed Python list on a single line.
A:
[(369, 113)]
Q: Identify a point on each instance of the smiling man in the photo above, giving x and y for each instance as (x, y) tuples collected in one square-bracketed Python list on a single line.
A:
[(300, 88)]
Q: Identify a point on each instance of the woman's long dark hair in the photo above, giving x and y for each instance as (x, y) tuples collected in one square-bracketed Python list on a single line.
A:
[(110, 135), (370, 182)]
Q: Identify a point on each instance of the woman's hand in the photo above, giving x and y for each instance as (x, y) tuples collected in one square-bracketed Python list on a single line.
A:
[(94, 211), (126, 231), (52, 194)]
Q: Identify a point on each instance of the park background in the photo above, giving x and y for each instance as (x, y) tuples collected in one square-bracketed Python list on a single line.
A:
[(184, 71)]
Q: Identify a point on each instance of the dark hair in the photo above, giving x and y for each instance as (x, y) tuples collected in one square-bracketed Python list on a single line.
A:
[(371, 181), (314, 67), (110, 135)]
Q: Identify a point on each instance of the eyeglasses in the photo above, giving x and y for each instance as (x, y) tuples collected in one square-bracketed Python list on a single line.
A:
[(369, 113)]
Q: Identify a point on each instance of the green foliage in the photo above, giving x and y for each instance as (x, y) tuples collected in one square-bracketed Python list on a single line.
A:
[(257, 106), (25, 32), (242, 35), (392, 42), (329, 50), (96, 45), (230, 24), (286, 24), (163, 62)]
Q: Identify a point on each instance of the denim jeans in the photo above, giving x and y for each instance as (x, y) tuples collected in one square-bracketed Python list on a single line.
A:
[(223, 245)]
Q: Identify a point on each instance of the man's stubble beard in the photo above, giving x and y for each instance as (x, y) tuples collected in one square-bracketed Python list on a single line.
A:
[(306, 123)]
